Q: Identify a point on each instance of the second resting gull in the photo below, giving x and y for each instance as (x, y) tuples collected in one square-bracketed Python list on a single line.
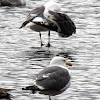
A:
[(54, 79), (49, 17)]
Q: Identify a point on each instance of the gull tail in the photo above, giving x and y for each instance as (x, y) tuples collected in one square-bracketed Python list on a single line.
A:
[(33, 88)]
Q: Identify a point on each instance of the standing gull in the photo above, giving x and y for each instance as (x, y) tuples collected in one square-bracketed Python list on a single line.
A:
[(54, 79), (49, 17)]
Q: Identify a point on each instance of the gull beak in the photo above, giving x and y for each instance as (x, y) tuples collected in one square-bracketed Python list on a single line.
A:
[(69, 64), (54, 18)]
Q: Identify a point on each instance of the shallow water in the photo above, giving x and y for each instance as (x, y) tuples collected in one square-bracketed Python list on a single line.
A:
[(22, 58)]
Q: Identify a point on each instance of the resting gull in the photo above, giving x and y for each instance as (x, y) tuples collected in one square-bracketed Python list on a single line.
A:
[(49, 17), (54, 79), (12, 2)]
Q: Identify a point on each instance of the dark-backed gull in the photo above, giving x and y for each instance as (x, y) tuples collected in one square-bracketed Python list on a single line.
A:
[(54, 79)]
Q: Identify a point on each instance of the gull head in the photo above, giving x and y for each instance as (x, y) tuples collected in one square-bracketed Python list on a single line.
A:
[(59, 61)]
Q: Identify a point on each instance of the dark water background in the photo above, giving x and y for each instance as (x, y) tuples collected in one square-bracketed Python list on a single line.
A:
[(22, 58)]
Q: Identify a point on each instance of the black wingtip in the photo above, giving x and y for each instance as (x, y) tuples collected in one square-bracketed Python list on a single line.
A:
[(24, 24), (20, 27), (28, 88), (31, 88)]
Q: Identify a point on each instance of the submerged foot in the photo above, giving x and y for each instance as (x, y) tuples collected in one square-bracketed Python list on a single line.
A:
[(42, 44), (49, 97), (48, 45)]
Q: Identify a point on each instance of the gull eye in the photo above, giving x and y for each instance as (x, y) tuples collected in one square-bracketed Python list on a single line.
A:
[(64, 60), (48, 16)]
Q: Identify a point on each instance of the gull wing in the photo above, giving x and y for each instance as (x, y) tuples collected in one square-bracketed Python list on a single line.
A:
[(53, 78), (37, 12), (66, 25)]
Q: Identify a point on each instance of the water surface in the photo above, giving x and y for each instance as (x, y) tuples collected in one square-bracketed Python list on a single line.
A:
[(22, 58)]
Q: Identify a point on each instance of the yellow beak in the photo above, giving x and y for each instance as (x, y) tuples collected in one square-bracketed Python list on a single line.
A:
[(54, 18), (69, 64)]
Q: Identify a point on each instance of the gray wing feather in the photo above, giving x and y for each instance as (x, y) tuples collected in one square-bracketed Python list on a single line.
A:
[(58, 78), (36, 12), (33, 14)]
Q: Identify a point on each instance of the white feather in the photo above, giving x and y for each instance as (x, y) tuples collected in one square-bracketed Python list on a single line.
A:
[(46, 75)]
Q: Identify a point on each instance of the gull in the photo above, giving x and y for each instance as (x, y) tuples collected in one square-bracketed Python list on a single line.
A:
[(54, 79), (12, 2), (49, 17)]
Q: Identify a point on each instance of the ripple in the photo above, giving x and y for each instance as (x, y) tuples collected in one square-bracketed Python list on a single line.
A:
[(22, 58)]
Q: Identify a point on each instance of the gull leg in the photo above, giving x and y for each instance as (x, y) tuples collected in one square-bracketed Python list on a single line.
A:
[(40, 39), (48, 45), (49, 97)]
